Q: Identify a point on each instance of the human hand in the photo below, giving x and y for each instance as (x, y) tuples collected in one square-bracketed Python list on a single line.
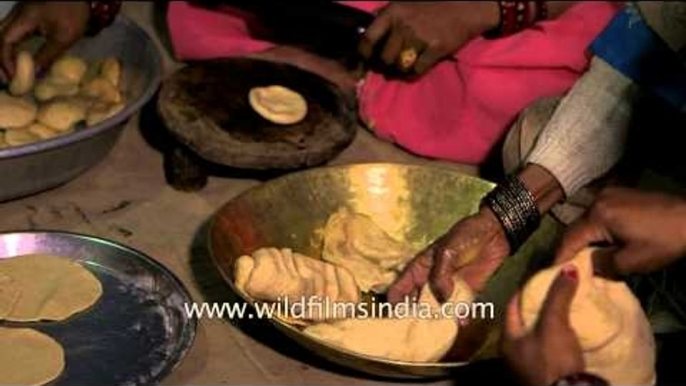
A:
[(62, 23), (551, 349), (473, 248), (434, 30), (648, 231)]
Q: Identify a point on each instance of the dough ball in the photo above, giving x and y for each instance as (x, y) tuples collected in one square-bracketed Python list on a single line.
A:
[(62, 114), (67, 70), (19, 137), (102, 90), (110, 69), (613, 331), (29, 357), (24, 76), (278, 104), (45, 90), (43, 132), (51, 287), (593, 316), (102, 111), (16, 112)]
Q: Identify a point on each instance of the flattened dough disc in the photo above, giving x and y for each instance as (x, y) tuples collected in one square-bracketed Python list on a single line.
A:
[(50, 287), (205, 106), (9, 293), (28, 357)]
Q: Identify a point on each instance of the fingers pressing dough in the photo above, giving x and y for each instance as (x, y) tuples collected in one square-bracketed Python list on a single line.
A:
[(415, 338), (25, 74), (613, 331)]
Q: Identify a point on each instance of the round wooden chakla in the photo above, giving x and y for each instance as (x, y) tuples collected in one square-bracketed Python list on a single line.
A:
[(415, 204), (206, 110)]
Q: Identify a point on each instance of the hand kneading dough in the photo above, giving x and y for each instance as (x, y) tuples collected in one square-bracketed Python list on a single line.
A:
[(24, 75), (50, 287), (278, 104), (408, 339), (612, 329), (271, 274), (354, 241), (28, 357)]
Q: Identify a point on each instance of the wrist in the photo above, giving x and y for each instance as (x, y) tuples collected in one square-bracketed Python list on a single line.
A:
[(495, 228), (101, 15), (489, 19), (544, 187)]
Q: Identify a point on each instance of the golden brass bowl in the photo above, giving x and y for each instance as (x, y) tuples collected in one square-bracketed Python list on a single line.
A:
[(412, 203)]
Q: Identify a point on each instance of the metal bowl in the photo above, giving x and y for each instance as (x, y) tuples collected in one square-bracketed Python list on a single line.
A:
[(136, 334), (412, 203), (46, 164)]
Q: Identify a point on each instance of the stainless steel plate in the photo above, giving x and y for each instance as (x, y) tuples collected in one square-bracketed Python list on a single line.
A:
[(138, 331)]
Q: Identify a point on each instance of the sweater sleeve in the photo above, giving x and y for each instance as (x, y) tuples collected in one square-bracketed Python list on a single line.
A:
[(586, 135)]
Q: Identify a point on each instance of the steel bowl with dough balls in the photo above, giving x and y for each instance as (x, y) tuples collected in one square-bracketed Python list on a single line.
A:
[(38, 166), (410, 203)]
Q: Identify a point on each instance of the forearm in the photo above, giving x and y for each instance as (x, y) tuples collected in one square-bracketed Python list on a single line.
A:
[(586, 136)]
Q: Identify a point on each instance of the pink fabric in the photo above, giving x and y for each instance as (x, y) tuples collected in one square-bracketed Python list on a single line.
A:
[(460, 109)]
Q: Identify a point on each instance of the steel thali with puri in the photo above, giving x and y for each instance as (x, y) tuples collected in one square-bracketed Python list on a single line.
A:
[(415, 204)]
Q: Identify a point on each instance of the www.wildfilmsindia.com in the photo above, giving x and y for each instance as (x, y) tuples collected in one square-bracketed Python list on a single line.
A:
[(314, 308)]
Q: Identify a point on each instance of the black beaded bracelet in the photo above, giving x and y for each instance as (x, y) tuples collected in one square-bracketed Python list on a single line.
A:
[(516, 209)]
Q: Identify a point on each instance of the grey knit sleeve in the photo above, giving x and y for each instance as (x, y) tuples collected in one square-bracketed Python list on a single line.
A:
[(586, 135)]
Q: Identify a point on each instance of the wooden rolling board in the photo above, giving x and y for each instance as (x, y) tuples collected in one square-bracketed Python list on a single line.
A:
[(205, 107)]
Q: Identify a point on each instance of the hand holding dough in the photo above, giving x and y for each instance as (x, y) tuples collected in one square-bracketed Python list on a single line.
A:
[(612, 329), (271, 274), (278, 104), (24, 76), (415, 338)]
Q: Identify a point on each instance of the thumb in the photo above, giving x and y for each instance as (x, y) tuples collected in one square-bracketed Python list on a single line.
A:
[(557, 305)]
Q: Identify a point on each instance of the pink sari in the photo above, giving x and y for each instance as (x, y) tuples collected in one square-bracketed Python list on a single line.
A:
[(460, 109)]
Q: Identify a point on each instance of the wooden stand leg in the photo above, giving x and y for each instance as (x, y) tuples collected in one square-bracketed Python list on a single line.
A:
[(184, 170)]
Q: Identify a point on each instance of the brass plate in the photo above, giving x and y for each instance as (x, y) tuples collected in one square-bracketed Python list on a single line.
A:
[(413, 203)]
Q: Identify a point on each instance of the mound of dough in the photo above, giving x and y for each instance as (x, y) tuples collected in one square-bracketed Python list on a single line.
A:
[(50, 287), (613, 331), (354, 241), (278, 104), (410, 339), (29, 357), (272, 274)]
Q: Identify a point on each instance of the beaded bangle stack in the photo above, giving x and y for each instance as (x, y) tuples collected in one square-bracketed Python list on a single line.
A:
[(516, 209), (517, 15)]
